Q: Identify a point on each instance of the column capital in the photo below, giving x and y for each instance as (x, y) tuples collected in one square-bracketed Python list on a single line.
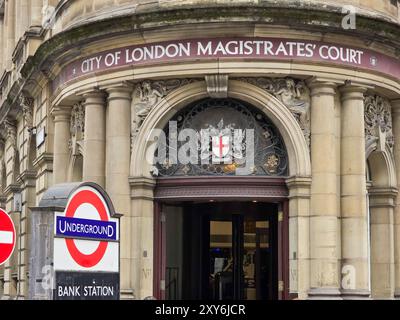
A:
[(122, 91), (299, 187), (298, 181), (382, 197), (94, 96), (352, 91), (386, 195), (61, 113), (322, 87)]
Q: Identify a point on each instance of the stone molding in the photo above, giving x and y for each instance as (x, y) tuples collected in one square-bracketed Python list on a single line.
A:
[(245, 188), (382, 197), (142, 188)]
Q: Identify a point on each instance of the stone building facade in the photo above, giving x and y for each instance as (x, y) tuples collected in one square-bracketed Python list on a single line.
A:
[(84, 82)]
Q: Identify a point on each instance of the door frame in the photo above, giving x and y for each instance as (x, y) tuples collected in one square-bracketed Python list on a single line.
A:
[(242, 189)]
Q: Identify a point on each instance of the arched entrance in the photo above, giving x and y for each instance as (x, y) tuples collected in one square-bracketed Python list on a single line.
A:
[(222, 204), (289, 190)]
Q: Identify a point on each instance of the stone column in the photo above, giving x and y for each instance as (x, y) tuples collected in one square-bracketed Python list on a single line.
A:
[(299, 237), (22, 21), (62, 119), (324, 265), (396, 151), (118, 152), (36, 13), (94, 160), (353, 195), (382, 202), (142, 196)]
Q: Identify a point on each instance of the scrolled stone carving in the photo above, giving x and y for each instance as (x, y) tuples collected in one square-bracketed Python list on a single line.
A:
[(27, 110), (294, 94), (378, 121)]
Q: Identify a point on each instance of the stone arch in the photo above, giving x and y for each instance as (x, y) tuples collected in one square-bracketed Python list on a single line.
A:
[(279, 114), (382, 167), (381, 198)]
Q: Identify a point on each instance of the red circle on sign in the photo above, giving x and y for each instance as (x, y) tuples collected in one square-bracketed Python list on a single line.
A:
[(86, 260), (7, 236)]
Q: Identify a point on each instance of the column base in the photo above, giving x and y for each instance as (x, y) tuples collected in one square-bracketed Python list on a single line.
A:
[(397, 294), (355, 294), (127, 294), (324, 294)]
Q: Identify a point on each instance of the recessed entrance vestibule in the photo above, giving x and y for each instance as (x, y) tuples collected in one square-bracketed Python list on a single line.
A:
[(221, 249), (220, 234)]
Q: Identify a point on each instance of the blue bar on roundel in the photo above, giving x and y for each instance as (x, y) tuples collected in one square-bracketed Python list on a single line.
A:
[(86, 228)]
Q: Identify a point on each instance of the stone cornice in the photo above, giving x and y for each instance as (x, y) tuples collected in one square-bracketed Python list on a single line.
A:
[(318, 19), (44, 158), (12, 188), (308, 17), (28, 176)]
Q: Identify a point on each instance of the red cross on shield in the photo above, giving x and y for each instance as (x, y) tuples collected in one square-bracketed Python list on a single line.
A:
[(220, 147)]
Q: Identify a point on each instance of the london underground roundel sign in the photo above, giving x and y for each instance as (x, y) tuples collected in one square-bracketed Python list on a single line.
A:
[(7, 237), (86, 234)]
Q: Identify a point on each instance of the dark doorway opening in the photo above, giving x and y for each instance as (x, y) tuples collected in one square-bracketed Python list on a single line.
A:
[(221, 251)]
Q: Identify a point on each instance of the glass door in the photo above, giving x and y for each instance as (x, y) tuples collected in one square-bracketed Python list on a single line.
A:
[(242, 256)]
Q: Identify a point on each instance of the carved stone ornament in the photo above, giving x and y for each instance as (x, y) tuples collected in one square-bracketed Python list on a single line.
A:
[(11, 133), (27, 110), (77, 128), (147, 94), (294, 94), (378, 122)]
